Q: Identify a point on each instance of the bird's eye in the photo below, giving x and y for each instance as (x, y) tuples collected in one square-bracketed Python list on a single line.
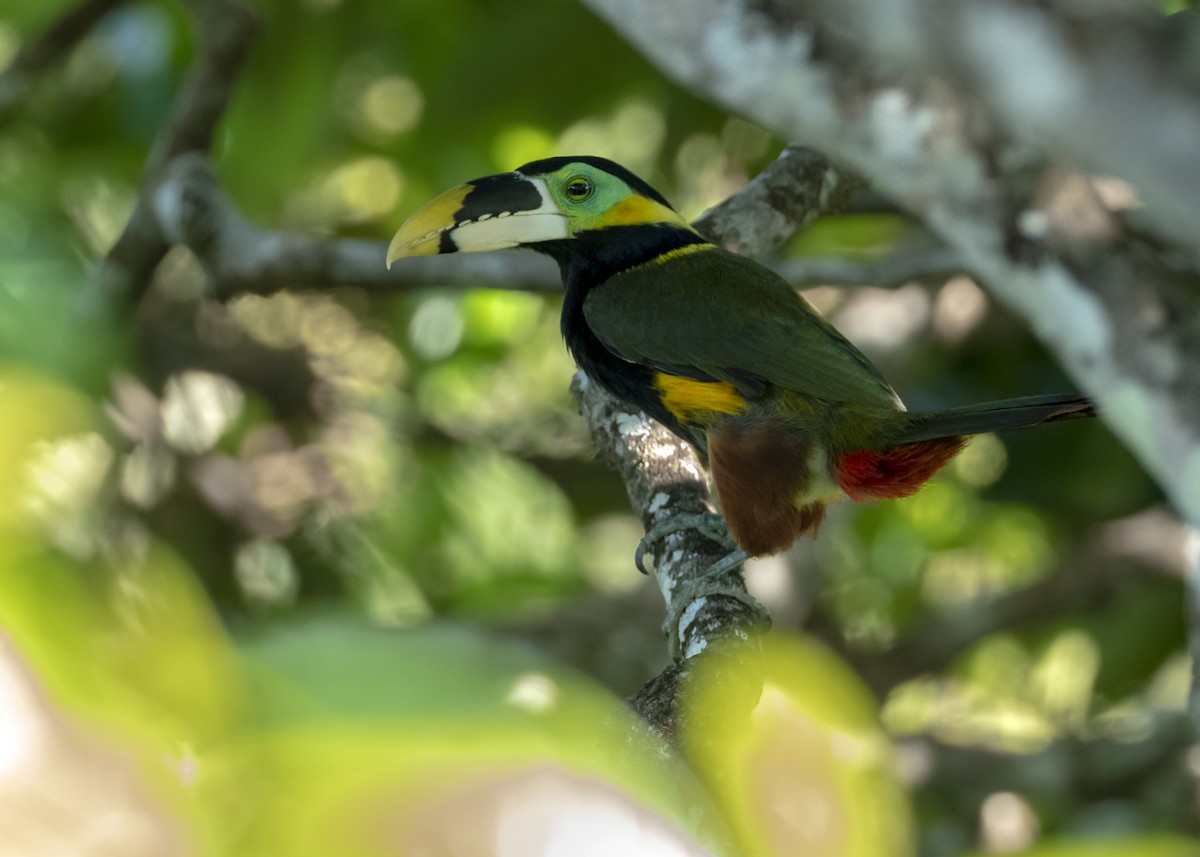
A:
[(579, 188)]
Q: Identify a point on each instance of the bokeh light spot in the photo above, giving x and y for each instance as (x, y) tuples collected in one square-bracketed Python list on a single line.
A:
[(9, 43), (982, 462), (958, 309), (139, 40), (632, 135), (939, 510), (64, 476), (1065, 675), (266, 573), (197, 409), (1007, 823), (884, 319), (99, 208), (535, 692), (519, 144), (327, 327), (365, 188), (436, 328), (273, 321), (391, 105), (497, 317), (147, 474)]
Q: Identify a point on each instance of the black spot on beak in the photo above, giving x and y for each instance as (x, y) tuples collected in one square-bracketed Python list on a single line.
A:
[(493, 195)]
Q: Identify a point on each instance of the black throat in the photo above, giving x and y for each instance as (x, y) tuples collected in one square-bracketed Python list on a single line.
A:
[(586, 261)]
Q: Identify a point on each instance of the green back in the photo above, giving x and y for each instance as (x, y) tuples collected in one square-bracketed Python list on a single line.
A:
[(729, 317)]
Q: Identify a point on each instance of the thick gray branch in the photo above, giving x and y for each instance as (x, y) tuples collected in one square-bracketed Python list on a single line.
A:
[(1116, 90)]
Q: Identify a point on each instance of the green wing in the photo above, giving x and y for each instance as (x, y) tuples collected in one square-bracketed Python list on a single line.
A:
[(714, 313)]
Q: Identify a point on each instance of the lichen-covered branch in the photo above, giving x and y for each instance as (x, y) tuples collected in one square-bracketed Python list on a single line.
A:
[(666, 483), (1113, 89), (787, 196)]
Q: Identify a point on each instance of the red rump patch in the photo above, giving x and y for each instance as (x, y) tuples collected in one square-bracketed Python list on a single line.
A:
[(898, 471)]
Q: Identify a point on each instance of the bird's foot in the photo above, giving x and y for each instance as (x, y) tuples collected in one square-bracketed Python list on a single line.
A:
[(725, 565), (692, 594), (712, 527), (695, 593)]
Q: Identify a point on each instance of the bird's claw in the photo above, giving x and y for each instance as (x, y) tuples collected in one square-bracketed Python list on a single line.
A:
[(725, 565)]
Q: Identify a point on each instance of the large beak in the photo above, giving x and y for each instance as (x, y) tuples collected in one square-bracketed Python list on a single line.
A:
[(490, 213)]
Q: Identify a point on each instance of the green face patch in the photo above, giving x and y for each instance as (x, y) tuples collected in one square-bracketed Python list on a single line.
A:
[(595, 199)]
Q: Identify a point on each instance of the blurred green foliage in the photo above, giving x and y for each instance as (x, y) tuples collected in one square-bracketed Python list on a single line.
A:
[(397, 459)]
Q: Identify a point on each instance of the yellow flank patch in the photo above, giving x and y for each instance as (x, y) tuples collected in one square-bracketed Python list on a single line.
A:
[(635, 209), (688, 400)]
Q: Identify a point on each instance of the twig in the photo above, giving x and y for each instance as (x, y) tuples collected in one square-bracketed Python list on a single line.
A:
[(36, 56), (225, 29), (240, 257), (1069, 769), (888, 272)]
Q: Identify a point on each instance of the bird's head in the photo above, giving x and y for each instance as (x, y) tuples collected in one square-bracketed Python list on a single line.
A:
[(539, 205)]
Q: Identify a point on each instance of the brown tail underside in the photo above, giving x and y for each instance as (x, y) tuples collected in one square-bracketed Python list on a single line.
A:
[(757, 470)]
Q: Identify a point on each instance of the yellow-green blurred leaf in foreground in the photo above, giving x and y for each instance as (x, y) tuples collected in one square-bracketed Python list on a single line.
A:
[(441, 741), (117, 679), (811, 772), (130, 724)]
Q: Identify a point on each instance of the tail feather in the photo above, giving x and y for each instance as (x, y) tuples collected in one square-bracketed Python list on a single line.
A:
[(996, 416)]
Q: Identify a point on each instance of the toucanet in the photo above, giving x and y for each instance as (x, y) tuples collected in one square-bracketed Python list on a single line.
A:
[(787, 413)]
